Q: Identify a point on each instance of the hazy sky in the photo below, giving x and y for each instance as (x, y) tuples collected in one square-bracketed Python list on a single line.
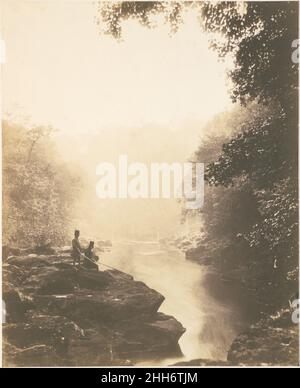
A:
[(60, 70), (146, 97)]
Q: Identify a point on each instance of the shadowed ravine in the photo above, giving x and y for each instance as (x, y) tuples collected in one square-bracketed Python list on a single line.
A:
[(211, 323)]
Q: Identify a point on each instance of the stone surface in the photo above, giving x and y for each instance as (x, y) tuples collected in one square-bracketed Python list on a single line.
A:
[(202, 362), (272, 341), (58, 315)]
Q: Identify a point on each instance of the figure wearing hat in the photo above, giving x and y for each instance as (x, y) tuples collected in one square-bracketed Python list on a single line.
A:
[(76, 248)]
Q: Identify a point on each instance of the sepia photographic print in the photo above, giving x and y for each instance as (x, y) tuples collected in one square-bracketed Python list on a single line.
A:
[(149, 186)]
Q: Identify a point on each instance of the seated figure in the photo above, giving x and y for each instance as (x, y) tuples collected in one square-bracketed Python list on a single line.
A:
[(90, 259)]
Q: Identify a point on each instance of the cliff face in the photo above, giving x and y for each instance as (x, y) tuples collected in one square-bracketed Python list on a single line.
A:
[(272, 341), (56, 315)]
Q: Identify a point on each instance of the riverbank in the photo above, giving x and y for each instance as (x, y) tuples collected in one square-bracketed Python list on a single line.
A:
[(56, 315), (270, 338), (273, 341)]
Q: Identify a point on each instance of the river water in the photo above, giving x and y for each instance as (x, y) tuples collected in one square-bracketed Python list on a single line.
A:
[(209, 309)]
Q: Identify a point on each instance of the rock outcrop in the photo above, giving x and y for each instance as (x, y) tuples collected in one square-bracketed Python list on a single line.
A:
[(271, 341), (183, 242), (202, 362), (56, 315)]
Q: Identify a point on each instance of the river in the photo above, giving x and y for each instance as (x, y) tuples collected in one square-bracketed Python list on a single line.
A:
[(209, 309)]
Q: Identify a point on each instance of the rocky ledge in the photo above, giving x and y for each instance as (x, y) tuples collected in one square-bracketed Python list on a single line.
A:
[(56, 315), (273, 341)]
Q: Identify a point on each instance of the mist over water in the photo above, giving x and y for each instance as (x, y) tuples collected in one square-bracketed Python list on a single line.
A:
[(211, 324)]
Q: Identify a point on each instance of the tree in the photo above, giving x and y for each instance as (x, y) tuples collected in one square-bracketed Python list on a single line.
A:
[(259, 34), (39, 190), (262, 154), (111, 14)]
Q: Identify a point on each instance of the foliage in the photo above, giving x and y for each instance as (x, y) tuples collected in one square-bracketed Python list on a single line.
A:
[(112, 14), (229, 210), (265, 151), (253, 175), (261, 152), (277, 233), (39, 190), (260, 36)]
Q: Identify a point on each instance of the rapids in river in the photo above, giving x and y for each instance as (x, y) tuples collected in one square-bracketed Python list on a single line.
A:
[(210, 309)]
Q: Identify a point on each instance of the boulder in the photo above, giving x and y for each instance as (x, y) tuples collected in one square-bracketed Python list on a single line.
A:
[(67, 249), (16, 304), (202, 362), (49, 280), (13, 274), (199, 255), (9, 251), (47, 329), (33, 356), (38, 250), (167, 327), (59, 315), (28, 261), (267, 343), (106, 299)]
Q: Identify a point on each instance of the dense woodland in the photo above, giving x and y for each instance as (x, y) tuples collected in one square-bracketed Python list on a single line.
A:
[(251, 156), (39, 190)]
